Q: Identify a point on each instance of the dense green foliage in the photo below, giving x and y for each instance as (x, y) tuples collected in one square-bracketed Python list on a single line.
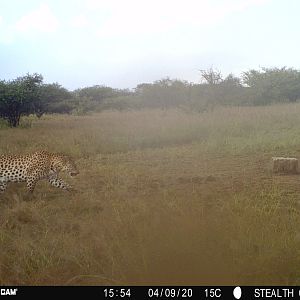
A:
[(18, 97), (273, 85), (53, 98), (254, 87), (29, 95)]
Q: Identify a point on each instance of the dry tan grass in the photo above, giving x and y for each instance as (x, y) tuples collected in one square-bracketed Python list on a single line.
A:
[(164, 198)]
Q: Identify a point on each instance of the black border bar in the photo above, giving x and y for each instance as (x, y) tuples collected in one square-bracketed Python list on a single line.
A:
[(153, 292)]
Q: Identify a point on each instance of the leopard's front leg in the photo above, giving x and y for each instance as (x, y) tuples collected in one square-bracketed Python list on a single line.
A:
[(34, 174), (59, 183), (3, 186), (31, 182)]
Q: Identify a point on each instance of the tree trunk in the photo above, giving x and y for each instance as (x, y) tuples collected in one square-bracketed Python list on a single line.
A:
[(39, 114), (293, 99), (14, 120)]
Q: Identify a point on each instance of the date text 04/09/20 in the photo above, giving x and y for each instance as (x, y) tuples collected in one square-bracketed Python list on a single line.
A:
[(170, 292)]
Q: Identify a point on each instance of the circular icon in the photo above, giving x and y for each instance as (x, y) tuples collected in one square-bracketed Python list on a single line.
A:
[(237, 292)]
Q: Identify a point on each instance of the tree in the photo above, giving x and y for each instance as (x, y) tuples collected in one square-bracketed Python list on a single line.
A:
[(211, 76), (209, 91), (18, 96), (52, 99), (164, 93), (232, 81), (273, 84), (95, 93)]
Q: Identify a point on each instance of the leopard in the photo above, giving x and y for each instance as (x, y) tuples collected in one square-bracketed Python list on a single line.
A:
[(36, 166)]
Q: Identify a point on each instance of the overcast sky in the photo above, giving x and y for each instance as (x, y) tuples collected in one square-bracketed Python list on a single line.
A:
[(120, 43)]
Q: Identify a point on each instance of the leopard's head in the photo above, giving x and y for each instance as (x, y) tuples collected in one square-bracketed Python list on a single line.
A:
[(66, 164)]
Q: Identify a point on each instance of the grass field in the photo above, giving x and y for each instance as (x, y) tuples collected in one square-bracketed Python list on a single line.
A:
[(164, 197)]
